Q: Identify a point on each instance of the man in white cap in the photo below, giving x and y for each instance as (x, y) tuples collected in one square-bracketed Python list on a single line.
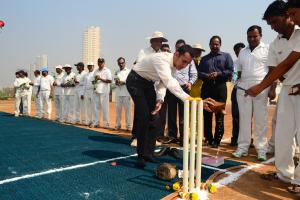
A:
[(69, 94), (21, 85), (122, 95), (196, 87), (35, 88), (88, 93), (156, 40), (103, 78), (58, 93), (45, 91), (80, 113)]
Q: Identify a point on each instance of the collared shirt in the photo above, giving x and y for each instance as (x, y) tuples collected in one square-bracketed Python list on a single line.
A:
[(187, 75), (280, 48), (36, 84), (220, 62), (101, 87), (159, 67), (253, 64), (80, 86), (22, 85), (58, 90), (121, 90), (69, 79), (145, 52), (88, 82), (46, 83)]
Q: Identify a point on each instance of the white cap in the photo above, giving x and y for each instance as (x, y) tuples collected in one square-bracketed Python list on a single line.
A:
[(67, 65), (58, 67), (90, 63), (158, 34), (198, 46)]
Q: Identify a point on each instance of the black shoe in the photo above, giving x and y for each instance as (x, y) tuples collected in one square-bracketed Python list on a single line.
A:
[(174, 153), (215, 145), (162, 152), (251, 145), (141, 163), (170, 140), (150, 159), (233, 144)]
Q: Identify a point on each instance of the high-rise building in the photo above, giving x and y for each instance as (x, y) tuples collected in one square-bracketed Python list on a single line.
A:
[(91, 45), (41, 60)]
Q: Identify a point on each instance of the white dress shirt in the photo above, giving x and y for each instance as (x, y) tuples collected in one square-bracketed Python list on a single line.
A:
[(58, 90), (280, 48), (145, 52), (253, 65), (69, 78), (159, 67), (46, 83), (121, 90), (100, 86)]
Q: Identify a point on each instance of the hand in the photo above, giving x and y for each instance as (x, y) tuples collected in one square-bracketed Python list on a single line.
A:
[(213, 75), (98, 78), (272, 94), (295, 90), (157, 107), (82, 97), (54, 84), (254, 90), (50, 96), (207, 102), (118, 82), (188, 86)]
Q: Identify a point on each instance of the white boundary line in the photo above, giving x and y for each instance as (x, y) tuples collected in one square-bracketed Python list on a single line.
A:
[(55, 170), (235, 176)]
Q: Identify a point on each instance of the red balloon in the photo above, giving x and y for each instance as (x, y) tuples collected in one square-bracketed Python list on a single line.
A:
[(2, 23)]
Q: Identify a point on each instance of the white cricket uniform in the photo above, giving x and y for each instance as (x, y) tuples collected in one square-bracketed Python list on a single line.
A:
[(253, 67), (288, 109), (69, 98), (22, 87), (29, 94), (58, 97), (46, 83), (80, 106), (88, 93), (122, 99), (101, 96), (36, 96)]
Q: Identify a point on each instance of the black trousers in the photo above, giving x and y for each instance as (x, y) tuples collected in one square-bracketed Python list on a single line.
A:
[(235, 117), (175, 103), (147, 126), (217, 91)]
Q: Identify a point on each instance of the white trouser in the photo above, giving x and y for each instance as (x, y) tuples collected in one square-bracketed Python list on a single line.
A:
[(24, 98), (101, 105), (287, 128), (58, 101), (90, 106), (68, 108), (45, 101), (29, 102), (79, 108), (123, 101), (258, 107)]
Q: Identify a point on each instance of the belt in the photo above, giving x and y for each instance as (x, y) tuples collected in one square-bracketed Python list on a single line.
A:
[(137, 76)]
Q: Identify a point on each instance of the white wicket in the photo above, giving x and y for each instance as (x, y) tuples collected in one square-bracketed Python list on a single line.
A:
[(189, 140)]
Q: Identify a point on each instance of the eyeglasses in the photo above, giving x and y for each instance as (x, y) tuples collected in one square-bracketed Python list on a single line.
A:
[(121, 63)]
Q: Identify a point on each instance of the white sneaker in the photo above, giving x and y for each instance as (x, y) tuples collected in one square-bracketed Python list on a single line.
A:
[(239, 153), (134, 143), (261, 156)]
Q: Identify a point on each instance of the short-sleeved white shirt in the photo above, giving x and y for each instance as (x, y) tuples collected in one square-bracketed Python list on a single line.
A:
[(280, 48), (253, 65), (46, 83), (69, 78), (122, 76), (101, 87)]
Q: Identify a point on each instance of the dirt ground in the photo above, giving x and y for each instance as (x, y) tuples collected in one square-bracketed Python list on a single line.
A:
[(249, 186)]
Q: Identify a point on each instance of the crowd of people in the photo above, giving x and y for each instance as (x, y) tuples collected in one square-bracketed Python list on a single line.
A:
[(160, 81)]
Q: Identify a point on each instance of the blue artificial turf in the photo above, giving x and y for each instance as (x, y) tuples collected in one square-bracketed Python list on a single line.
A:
[(29, 146)]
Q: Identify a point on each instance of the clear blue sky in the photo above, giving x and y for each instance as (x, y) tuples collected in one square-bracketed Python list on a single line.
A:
[(35, 27)]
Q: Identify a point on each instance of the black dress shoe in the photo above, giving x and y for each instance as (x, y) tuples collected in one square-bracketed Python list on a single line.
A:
[(162, 152), (150, 159), (141, 163), (174, 153)]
